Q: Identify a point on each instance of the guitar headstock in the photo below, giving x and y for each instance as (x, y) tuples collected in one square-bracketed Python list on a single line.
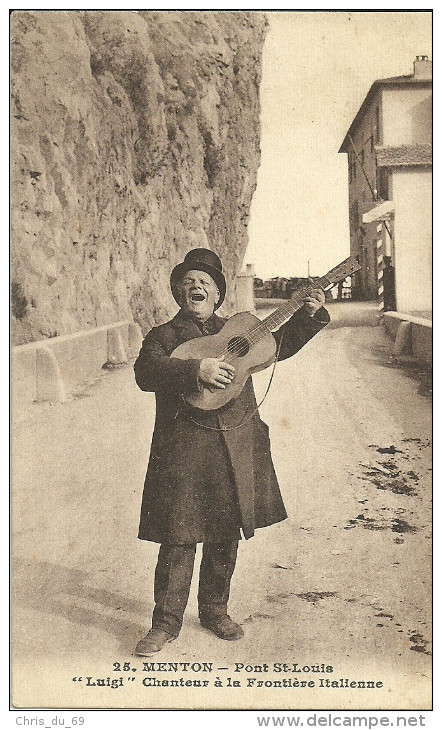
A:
[(341, 271)]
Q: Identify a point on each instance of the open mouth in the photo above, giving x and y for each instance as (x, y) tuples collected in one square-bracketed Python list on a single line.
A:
[(197, 297)]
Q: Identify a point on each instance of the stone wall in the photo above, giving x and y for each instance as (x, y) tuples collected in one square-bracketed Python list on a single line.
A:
[(135, 137)]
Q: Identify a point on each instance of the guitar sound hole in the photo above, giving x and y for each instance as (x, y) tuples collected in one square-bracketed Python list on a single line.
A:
[(238, 346)]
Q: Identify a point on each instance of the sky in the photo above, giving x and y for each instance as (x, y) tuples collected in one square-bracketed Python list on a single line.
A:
[(317, 69)]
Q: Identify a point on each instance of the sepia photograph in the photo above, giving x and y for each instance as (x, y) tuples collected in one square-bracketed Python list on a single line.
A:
[(221, 360)]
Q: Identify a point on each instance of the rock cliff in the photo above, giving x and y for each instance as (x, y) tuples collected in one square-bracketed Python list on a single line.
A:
[(135, 137)]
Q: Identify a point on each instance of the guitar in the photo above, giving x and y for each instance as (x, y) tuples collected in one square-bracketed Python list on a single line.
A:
[(247, 342)]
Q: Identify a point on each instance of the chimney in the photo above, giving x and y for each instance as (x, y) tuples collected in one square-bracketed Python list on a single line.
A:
[(423, 68)]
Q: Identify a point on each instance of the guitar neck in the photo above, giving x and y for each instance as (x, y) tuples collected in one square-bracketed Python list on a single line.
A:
[(286, 310)]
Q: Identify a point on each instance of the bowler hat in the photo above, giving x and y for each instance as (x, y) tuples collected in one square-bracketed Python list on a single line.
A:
[(200, 259)]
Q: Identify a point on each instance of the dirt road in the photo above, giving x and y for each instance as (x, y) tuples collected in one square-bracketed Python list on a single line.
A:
[(344, 582)]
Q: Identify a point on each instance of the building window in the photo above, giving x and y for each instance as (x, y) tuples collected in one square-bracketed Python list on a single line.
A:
[(382, 183), (377, 129), (354, 216), (362, 157), (372, 142), (353, 166)]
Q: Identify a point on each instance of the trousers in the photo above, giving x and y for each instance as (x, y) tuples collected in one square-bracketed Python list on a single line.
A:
[(173, 576)]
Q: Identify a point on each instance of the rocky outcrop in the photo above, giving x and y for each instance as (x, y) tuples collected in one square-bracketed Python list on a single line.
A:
[(135, 136)]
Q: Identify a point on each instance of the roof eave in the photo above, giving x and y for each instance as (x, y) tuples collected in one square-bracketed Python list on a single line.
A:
[(376, 85), (395, 165), (371, 91)]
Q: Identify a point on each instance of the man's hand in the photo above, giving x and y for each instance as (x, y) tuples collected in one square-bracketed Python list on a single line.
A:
[(314, 301), (215, 372)]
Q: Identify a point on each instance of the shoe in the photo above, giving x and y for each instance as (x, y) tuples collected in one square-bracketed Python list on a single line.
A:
[(153, 642), (223, 627)]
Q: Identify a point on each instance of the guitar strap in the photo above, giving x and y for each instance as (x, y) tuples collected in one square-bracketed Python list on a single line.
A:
[(245, 419)]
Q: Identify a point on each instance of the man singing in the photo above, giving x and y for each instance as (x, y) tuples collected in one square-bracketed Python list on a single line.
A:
[(210, 477)]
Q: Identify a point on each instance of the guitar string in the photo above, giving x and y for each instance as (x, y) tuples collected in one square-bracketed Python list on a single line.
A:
[(244, 419), (245, 341), (249, 338), (255, 329), (273, 320)]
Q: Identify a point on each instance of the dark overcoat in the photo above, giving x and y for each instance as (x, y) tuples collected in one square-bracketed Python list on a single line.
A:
[(203, 484)]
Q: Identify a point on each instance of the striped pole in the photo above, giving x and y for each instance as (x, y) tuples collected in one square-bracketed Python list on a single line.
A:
[(380, 268)]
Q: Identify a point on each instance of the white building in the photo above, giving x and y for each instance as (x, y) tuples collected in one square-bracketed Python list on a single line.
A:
[(389, 147)]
